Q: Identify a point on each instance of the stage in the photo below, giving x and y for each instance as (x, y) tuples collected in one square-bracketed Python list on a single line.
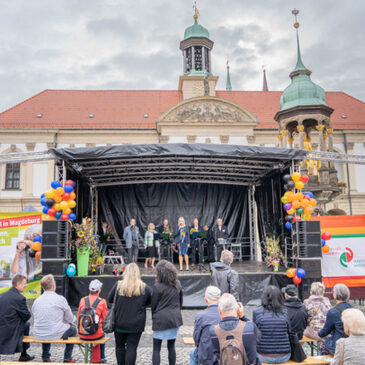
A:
[(253, 278)]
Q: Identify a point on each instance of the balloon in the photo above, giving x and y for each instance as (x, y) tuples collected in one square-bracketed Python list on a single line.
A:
[(37, 239), (60, 190), (297, 280), (287, 206), (299, 185), (323, 242), (306, 217), (291, 184), (308, 210), (297, 218), (288, 225), (306, 197), (31, 253), (304, 178), (66, 196), (313, 202), (291, 197), (55, 184), (290, 273), (290, 211), (38, 255), (73, 196), (326, 236), (71, 204), (64, 217), (295, 176), (58, 214), (43, 201), (286, 177), (45, 210), (68, 188), (305, 203), (309, 194), (50, 193), (325, 248), (72, 216), (296, 204), (43, 196), (52, 212), (57, 207), (57, 198), (67, 211), (71, 271), (284, 199), (286, 187), (36, 246), (63, 205), (70, 182), (289, 218), (49, 202), (299, 196), (300, 273), (300, 211)]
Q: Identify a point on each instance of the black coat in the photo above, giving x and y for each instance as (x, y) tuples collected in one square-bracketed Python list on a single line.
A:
[(13, 315), (166, 306), (297, 314), (223, 233), (130, 312)]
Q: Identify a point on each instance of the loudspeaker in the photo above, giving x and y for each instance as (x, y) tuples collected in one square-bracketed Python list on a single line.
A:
[(61, 285), (56, 238), (312, 267), (306, 238), (54, 267)]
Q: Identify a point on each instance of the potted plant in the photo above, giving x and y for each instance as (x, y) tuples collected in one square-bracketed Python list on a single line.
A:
[(95, 262), (5, 268), (274, 256)]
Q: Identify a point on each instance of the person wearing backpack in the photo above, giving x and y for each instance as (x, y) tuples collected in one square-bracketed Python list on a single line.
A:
[(234, 337), (91, 314)]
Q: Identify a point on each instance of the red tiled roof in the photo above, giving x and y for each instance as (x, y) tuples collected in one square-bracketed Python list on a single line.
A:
[(125, 109)]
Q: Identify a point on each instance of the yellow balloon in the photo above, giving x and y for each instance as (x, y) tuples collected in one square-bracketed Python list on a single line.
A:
[(306, 217), (290, 211), (313, 202), (287, 193), (50, 193), (67, 211), (299, 185), (57, 207), (295, 176), (63, 205), (71, 204)]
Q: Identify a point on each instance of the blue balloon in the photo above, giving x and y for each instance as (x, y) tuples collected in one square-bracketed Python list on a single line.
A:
[(72, 216), (58, 214), (68, 188), (71, 271), (43, 201), (45, 210), (300, 273), (323, 242), (43, 196), (55, 184), (308, 193), (288, 225), (37, 239)]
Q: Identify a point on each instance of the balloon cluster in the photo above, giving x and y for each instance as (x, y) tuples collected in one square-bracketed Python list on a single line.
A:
[(298, 205), (326, 236), (296, 274), (59, 201), (35, 250), (71, 270)]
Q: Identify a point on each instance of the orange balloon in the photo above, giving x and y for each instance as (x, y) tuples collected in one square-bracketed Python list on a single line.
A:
[(60, 191), (38, 255), (36, 246), (73, 196), (325, 248), (313, 202), (304, 203), (295, 204), (299, 196), (290, 211), (57, 207), (308, 210), (290, 273), (57, 198), (67, 211), (291, 197)]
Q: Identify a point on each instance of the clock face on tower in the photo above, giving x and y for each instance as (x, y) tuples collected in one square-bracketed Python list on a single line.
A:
[(198, 88)]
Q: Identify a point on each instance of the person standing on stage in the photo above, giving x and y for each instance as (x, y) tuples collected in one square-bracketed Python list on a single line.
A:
[(182, 239), (196, 244), (131, 237), (165, 242), (209, 242), (151, 245), (220, 234)]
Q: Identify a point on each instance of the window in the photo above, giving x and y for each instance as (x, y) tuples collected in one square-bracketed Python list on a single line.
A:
[(12, 176)]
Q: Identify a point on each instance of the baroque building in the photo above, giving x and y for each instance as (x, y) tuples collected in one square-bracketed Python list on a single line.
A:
[(303, 116)]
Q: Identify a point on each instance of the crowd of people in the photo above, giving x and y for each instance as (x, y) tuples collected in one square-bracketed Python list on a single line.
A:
[(222, 332)]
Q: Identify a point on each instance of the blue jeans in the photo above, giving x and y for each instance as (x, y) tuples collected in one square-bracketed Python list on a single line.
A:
[(192, 358), (275, 360), (46, 347)]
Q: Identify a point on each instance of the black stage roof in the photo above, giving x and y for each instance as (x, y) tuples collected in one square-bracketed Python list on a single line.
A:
[(176, 162)]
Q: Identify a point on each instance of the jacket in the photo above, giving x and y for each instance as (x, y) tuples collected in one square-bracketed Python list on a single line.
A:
[(130, 312), (297, 315), (166, 303), (177, 235), (127, 235), (203, 353), (317, 308), (223, 233), (101, 312), (250, 336), (14, 314), (225, 278), (333, 326), (353, 351), (274, 330)]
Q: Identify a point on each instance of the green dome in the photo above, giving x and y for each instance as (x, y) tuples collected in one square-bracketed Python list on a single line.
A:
[(196, 31)]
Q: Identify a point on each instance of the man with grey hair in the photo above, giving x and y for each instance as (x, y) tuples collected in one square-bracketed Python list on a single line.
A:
[(232, 318), (333, 325), (223, 276), (203, 353)]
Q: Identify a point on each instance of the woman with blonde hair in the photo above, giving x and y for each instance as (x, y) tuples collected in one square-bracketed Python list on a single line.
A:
[(131, 296), (151, 245), (182, 240)]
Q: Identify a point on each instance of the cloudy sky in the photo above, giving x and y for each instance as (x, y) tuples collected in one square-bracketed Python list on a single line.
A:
[(134, 44)]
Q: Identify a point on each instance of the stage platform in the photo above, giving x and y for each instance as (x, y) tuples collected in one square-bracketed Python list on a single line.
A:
[(253, 278)]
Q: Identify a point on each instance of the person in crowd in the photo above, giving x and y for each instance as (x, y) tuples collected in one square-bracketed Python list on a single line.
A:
[(317, 307), (296, 310), (132, 296), (220, 234), (196, 244), (100, 306), (151, 245), (272, 320), (223, 276), (209, 243), (105, 237), (182, 239), (166, 306), (22, 263), (14, 316), (232, 316), (203, 353), (53, 319), (351, 350), (131, 237), (333, 325), (165, 243)]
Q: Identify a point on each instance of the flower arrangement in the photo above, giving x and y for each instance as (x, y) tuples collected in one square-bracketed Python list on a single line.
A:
[(274, 255), (85, 240), (118, 270), (108, 234), (95, 260)]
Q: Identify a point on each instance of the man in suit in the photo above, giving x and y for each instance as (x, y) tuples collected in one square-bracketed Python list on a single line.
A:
[(209, 241), (14, 315), (196, 244), (131, 237), (220, 234)]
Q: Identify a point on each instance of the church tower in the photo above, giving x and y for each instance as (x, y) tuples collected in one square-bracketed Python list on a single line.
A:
[(196, 47)]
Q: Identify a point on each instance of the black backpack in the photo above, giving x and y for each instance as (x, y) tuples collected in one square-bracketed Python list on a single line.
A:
[(88, 324)]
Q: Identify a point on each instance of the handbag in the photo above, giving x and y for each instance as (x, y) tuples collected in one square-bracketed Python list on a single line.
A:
[(297, 352), (109, 320)]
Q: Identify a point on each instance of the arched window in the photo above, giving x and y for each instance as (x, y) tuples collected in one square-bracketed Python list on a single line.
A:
[(12, 176)]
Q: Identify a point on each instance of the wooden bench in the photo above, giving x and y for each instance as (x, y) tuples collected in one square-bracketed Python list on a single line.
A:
[(313, 344), (188, 341), (86, 347), (311, 360)]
